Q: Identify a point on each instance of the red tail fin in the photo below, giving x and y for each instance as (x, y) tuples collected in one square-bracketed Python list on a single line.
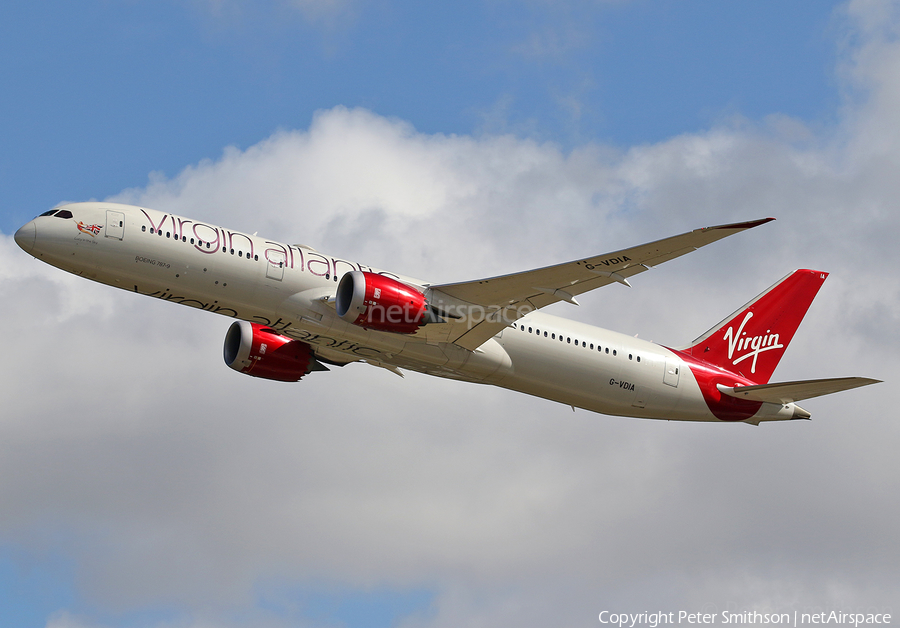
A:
[(751, 341)]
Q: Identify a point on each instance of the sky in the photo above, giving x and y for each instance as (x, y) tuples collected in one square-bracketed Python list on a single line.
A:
[(144, 484)]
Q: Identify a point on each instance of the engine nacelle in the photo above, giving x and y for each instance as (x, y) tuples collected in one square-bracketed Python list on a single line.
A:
[(260, 351), (377, 302)]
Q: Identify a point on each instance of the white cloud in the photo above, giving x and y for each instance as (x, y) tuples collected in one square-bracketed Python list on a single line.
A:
[(170, 479)]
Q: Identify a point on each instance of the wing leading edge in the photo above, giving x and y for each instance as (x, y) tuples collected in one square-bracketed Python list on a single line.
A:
[(481, 309)]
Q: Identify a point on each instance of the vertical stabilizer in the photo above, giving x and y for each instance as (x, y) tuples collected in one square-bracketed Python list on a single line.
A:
[(751, 341)]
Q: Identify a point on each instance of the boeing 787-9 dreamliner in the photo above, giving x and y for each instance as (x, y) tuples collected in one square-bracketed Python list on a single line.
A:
[(296, 310)]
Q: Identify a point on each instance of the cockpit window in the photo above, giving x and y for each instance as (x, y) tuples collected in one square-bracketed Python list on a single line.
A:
[(64, 213), (49, 213)]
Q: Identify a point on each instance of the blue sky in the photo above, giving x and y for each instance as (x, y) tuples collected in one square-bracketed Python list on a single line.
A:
[(98, 94), (443, 138)]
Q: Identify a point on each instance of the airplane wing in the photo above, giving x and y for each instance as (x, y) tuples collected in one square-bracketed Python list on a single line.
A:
[(502, 300), (789, 392)]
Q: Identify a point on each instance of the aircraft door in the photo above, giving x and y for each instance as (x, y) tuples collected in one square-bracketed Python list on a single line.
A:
[(640, 396), (671, 375), (115, 224), (275, 265)]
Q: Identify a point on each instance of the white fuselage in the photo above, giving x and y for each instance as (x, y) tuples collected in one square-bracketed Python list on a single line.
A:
[(289, 288)]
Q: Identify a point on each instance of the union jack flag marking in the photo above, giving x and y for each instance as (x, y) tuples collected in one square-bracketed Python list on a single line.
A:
[(91, 230)]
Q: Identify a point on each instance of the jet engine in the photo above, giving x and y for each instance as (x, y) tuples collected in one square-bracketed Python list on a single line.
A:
[(377, 302), (260, 351)]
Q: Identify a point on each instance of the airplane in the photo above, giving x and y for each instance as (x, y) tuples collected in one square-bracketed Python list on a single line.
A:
[(297, 311)]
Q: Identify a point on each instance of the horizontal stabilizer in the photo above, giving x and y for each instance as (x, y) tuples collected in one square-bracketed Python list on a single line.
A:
[(789, 392)]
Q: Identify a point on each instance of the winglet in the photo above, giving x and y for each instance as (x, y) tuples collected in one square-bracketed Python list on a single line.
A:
[(741, 225)]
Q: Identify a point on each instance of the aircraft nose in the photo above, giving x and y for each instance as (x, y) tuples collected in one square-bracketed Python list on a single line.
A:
[(25, 237)]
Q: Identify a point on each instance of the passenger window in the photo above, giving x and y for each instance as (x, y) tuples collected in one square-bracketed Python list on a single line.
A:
[(639, 358), (545, 334), (569, 340), (192, 240), (592, 346), (152, 231), (583, 343), (168, 234), (256, 258), (143, 227), (183, 238), (629, 356), (614, 352), (607, 350)]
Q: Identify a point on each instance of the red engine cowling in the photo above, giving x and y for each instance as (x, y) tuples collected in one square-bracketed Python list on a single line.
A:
[(262, 352), (377, 302)]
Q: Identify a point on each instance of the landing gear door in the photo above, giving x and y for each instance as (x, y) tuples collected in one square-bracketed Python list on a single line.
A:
[(671, 375), (275, 265), (115, 224)]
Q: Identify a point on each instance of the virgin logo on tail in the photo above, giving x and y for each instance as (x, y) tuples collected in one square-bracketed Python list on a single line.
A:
[(748, 333), (753, 345)]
